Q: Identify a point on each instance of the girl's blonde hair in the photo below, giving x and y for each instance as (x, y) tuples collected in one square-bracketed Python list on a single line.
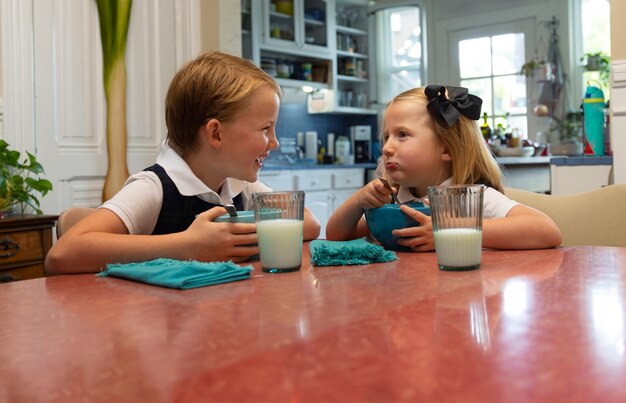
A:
[(472, 160), (214, 85)]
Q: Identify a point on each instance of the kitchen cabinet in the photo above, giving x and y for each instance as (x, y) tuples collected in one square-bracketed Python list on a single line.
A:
[(325, 189), (323, 44), (352, 60), (290, 40), (570, 175), (297, 26)]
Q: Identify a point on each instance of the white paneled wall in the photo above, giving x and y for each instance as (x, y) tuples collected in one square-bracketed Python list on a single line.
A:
[(54, 96)]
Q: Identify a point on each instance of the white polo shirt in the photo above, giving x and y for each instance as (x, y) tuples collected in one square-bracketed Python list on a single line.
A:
[(138, 203), (495, 204)]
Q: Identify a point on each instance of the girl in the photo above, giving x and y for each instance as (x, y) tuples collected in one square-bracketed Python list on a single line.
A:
[(429, 138), (220, 112)]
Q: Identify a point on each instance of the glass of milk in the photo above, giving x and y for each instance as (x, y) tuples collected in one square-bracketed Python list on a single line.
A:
[(279, 218), (457, 217)]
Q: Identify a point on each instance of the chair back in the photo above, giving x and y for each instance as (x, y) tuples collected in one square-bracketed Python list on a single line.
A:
[(70, 217), (596, 217)]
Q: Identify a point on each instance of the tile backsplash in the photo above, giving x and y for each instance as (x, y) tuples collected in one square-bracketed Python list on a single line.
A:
[(294, 118)]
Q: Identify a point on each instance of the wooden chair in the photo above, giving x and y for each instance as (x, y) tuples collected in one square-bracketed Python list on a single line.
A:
[(596, 217), (70, 217)]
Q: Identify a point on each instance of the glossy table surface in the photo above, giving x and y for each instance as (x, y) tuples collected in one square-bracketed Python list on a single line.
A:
[(528, 326)]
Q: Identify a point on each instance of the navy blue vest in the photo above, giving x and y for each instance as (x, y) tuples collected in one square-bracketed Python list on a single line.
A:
[(178, 211)]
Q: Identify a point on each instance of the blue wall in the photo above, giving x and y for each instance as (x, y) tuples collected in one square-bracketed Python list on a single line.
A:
[(294, 118)]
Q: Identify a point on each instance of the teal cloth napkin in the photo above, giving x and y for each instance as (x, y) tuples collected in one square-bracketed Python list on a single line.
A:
[(342, 253), (178, 273)]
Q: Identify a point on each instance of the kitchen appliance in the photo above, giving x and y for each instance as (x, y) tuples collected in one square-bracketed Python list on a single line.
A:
[(361, 137)]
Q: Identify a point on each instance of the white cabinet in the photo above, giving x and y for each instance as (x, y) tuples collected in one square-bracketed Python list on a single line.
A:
[(323, 44), (578, 178), (325, 189), (352, 59), (297, 26)]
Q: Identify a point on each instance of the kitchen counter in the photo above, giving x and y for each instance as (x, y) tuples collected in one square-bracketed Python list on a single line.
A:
[(284, 166), (562, 160), (523, 160)]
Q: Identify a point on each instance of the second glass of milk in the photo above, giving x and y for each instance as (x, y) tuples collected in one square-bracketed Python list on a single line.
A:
[(457, 217)]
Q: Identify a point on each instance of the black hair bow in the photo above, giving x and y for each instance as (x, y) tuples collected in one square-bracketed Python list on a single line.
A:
[(457, 102)]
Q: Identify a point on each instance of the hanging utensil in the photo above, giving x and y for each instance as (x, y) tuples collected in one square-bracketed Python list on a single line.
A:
[(388, 186)]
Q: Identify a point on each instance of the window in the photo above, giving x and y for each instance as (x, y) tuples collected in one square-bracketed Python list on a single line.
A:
[(400, 47), (594, 36), (487, 61), (489, 67)]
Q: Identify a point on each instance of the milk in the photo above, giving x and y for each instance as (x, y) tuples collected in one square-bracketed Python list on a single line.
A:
[(280, 243), (458, 247)]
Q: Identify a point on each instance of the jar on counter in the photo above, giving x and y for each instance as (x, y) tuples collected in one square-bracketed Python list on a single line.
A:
[(342, 150)]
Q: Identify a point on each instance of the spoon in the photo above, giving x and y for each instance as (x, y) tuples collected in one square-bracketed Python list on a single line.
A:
[(388, 186), (231, 210)]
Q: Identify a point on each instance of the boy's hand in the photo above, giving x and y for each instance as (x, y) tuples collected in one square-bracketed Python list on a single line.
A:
[(217, 241), (374, 194), (420, 238)]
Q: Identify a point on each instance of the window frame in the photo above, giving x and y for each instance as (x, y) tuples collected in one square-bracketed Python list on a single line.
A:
[(527, 26), (383, 37)]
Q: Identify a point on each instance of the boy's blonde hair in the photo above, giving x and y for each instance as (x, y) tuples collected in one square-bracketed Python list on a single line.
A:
[(472, 161), (214, 85)]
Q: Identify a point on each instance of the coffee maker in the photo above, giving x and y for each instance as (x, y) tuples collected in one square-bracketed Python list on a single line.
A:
[(361, 137)]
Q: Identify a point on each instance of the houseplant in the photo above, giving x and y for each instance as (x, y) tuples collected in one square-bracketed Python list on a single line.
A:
[(600, 62), (114, 17), (20, 181), (528, 69)]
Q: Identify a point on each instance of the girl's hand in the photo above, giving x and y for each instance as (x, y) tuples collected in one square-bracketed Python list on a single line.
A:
[(210, 241), (374, 194), (420, 238)]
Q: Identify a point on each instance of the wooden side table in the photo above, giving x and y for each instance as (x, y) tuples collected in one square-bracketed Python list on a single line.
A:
[(24, 242)]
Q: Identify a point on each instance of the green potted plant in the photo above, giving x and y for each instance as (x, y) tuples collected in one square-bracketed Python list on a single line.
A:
[(528, 69), (21, 182), (598, 61)]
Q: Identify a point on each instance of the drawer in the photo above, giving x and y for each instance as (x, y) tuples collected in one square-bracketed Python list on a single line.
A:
[(277, 180), (348, 179), (313, 180), (16, 247), (23, 273)]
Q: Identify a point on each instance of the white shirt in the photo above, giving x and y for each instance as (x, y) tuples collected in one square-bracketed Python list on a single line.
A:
[(138, 203), (495, 204)]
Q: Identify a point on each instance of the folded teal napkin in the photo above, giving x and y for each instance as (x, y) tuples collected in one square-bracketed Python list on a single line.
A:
[(178, 273), (342, 253)]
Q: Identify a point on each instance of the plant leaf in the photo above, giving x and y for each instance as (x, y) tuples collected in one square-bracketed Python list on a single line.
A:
[(114, 17)]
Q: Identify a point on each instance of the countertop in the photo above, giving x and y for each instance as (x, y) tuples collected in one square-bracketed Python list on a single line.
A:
[(548, 160)]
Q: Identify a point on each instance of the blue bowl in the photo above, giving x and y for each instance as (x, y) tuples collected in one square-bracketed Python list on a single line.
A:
[(242, 217), (381, 221)]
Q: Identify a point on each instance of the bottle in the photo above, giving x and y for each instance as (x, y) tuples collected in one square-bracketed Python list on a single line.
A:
[(485, 129), (342, 149), (310, 145), (593, 120)]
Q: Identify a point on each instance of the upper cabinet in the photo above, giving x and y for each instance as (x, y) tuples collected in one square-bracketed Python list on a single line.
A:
[(300, 27), (322, 44), (353, 70)]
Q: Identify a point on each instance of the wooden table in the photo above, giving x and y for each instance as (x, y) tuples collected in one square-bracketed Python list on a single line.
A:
[(529, 326)]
